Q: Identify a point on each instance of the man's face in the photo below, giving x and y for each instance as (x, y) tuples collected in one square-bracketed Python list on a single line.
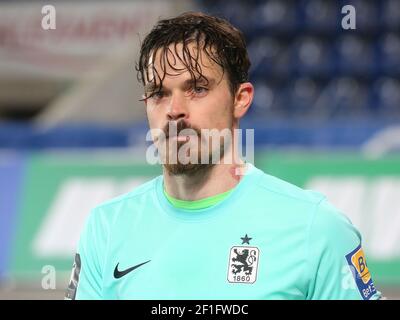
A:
[(183, 105)]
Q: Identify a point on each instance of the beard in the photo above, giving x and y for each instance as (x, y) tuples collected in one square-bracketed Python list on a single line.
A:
[(189, 157), (189, 169)]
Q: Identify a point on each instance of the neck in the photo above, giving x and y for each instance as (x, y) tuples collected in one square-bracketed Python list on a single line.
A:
[(205, 183)]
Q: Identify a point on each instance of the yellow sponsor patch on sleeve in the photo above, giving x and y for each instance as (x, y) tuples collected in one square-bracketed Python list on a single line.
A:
[(358, 264)]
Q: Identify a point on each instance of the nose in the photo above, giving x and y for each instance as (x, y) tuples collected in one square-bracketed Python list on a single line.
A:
[(177, 108)]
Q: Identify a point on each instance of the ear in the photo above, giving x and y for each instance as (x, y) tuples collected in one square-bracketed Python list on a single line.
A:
[(243, 98)]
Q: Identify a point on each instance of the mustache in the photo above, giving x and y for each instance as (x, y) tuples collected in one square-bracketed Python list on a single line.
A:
[(173, 128)]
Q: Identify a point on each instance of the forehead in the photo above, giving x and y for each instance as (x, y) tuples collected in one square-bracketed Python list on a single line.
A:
[(179, 62)]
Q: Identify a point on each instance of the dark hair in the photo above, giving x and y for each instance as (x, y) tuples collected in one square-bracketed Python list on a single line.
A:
[(216, 37)]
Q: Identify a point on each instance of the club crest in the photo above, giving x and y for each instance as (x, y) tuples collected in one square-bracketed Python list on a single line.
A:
[(243, 263)]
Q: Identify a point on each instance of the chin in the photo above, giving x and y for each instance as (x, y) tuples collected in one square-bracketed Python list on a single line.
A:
[(189, 169)]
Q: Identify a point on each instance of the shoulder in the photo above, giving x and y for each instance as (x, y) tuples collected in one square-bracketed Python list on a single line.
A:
[(110, 209), (321, 216), (135, 193), (331, 226), (274, 186)]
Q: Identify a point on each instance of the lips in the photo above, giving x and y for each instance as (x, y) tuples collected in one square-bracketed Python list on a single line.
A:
[(180, 138)]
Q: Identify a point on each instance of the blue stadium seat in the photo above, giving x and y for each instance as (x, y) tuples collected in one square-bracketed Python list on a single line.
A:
[(319, 15), (266, 101), (273, 16), (341, 97), (355, 56), (269, 56), (389, 50), (303, 94), (367, 14), (385, 97), (311, 56), (391, 14)]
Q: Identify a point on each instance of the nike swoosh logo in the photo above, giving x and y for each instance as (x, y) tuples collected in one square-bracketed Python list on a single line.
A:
[(119, 274)]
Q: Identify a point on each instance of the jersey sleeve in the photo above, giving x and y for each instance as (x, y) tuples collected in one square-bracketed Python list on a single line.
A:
[(336, 262), (86, 278)]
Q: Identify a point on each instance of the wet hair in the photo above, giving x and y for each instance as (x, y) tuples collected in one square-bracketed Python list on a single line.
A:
[(216, 37)]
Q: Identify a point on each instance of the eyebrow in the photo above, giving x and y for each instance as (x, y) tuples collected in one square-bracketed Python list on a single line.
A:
[(150, 86)]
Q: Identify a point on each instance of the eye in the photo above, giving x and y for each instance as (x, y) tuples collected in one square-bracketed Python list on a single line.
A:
[(200, 90), (157, 95)]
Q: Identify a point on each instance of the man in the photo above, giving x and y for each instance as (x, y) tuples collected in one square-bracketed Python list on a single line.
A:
[(212, 226)]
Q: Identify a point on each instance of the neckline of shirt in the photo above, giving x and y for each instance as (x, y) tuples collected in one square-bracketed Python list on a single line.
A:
[(206, 213)]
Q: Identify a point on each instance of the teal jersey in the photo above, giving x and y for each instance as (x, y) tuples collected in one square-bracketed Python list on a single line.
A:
[(267, 239)]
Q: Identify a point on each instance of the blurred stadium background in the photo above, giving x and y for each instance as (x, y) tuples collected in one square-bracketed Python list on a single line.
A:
[(72, 131)]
